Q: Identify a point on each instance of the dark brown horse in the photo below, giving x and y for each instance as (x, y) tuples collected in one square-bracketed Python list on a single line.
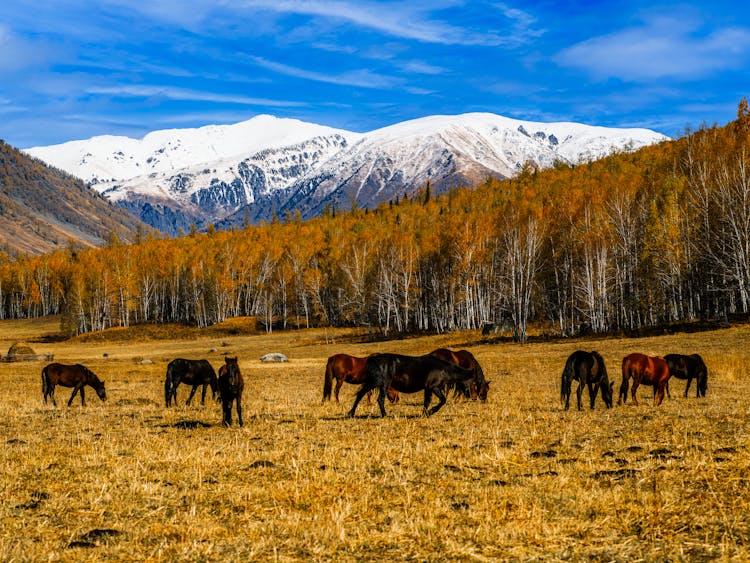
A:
[(689, 367), (75, 376), (589, 370), (231, 385), (409, 374), (479, 386), (347, 369), (191, 372), (644, 370)]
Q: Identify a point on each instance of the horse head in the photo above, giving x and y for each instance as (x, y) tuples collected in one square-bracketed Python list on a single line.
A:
[(101, 392), (482, 389), (96, 383)]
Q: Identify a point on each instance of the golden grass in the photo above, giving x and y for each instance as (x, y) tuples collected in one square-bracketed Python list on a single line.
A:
[(514, 479)]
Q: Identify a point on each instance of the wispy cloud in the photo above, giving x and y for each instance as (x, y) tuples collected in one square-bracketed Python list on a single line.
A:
[(406, 20), (362, 78), (173, 93), (664, 47)]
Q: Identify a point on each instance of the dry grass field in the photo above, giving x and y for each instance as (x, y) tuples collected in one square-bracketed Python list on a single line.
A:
[(516, 478)]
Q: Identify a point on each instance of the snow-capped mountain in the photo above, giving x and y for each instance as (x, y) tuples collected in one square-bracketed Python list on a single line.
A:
[(248, 171)]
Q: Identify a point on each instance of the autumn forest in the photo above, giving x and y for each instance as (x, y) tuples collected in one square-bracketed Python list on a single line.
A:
[(634, 240)]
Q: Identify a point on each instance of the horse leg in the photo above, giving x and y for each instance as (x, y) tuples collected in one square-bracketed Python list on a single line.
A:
[(226, 408), (593, 393), (190, 398), (203, 395), (623, 391), (75, 390), (238, 402), (633, 390), (83, 395), (667, 390), (51, 392), (361, 393), (381, 400), (427, 399), (659, 395), (441, 401), (339, 383), (687, 387), (579, 393)]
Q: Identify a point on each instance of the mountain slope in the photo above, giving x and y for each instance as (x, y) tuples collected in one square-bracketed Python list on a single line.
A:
[(43, 209), (252, 170)]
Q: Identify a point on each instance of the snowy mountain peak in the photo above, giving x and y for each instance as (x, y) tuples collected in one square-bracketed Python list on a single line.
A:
[(265, 165)]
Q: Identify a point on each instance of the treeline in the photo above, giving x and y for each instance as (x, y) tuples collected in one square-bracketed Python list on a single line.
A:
[(632, 240)]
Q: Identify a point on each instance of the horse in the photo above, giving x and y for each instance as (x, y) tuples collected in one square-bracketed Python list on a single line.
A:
[(191, 372), (689, 367), (409, 374), (588, 369), (76, 376), (646, 370), (347, 369), (231, 385), (479, 386)]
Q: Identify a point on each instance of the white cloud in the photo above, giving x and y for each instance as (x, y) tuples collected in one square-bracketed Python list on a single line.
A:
[(665, 47), (406, 20), (361, 78), (172, 93)]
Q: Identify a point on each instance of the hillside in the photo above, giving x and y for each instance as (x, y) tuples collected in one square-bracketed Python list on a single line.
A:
[(621, 244), (43, 209)]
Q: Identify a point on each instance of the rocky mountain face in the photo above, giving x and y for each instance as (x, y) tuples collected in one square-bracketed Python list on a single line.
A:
[(248, 172)]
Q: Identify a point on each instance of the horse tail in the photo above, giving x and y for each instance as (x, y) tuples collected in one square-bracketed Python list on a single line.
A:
[(567, 378), (328, 381), (45, 383), (168, 385)]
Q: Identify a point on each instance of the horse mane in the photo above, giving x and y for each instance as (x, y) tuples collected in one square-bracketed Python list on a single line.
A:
[(567, 378), (602, 365)]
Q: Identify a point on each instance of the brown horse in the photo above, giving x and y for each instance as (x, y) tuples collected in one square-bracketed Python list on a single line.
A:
[(646, 370), (589, 369), (347, 369), (76, 376), (479, 386), (231, 386)]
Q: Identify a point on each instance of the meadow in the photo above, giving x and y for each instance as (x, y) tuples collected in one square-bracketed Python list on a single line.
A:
[(516, 478)]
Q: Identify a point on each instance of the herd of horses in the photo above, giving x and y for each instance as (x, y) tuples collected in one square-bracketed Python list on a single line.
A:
[(589, 369), (436, 373)]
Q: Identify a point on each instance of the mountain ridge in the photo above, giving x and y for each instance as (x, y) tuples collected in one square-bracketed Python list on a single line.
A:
[(267, 165)]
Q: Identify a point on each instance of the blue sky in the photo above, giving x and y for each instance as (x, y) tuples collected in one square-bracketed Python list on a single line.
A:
[(74, 69)]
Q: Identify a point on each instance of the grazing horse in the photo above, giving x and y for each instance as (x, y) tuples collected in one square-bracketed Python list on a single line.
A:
[(589, 370), (231, 385), (76, 376), (479, 386), (409, 374), (347, 369), (192, 372), (646, 370), (689, 367)]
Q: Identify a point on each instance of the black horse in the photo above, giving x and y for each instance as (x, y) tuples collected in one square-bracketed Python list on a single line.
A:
[(409, 374), (589, 370), (231, 385), (689, 367), (192, 372)]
